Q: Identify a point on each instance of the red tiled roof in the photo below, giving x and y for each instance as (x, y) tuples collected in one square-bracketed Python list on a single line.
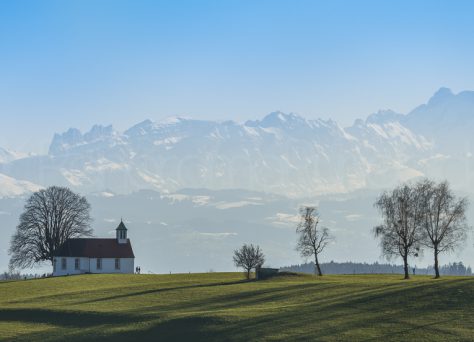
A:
[(95, 248)]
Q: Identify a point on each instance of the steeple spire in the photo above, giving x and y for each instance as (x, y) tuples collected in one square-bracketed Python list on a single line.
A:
[(121, 232)]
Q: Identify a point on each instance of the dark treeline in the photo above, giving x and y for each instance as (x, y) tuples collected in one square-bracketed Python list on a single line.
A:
[(456, 268), (18, 276)]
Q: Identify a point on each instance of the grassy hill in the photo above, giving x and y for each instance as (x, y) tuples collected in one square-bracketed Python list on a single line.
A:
[(221, 307)]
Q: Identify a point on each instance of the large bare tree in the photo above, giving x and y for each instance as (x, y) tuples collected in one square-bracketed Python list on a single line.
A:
[(50, 217), (444, 223), (248, 257), (312, 239), (401, 233)]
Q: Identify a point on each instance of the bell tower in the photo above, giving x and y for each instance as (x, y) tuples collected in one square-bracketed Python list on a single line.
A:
[(121, 233)]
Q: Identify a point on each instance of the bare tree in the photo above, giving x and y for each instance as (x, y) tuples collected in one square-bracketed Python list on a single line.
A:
[(401, 233), (50, 217), (312, 239), (248, 257), (444, 223)]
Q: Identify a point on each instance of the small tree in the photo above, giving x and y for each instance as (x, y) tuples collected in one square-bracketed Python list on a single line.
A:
[(312, 239), (50, 217), (401, 232), (248, 257), (444, 216)]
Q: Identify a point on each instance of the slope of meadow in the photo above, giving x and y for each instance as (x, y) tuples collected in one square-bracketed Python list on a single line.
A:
[(220, 306)]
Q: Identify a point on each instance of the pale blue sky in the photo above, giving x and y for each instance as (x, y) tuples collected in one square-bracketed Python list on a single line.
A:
[(76, 63)]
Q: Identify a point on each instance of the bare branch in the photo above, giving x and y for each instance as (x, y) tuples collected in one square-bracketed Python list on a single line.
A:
[(400, 233), (248, 257), (444, 219), (50, 217), (312, 239)]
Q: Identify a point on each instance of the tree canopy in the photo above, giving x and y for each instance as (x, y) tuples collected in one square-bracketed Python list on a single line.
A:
[(248, 257), (50, 217)]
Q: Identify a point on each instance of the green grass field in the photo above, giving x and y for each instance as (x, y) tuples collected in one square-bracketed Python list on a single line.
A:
[(222, 307)]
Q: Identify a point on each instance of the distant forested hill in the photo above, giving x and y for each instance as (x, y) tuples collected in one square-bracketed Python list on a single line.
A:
[(456, 268)]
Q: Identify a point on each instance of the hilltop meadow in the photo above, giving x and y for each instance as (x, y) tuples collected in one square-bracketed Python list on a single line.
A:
[(225, 307)]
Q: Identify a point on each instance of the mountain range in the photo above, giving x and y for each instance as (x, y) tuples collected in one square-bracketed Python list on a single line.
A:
[(283, 154), (182, 185)]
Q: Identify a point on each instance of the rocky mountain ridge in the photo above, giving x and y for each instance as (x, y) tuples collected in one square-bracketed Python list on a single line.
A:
[(282, 153)]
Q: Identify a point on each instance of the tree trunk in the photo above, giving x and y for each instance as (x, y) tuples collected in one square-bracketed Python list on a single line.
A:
[(405, 266), (248, 273), (317, 267), (436, 265)]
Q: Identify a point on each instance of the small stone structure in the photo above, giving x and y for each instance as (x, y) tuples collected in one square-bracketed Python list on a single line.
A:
[(265, 272)]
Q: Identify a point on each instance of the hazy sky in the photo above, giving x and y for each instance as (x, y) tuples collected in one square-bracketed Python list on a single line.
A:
[(76, 63)]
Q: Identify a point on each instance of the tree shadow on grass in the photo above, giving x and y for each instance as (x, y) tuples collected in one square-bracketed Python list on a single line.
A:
[(123, 295), (195, 328), (412, 327), (396, 315), (288, 295), (375, 313), (160, 290), (73, 319)]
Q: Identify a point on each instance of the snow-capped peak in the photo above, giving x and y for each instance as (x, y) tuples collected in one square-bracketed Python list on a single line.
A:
[(277, 119), (383, 117), (280, 153), (73, 138)]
